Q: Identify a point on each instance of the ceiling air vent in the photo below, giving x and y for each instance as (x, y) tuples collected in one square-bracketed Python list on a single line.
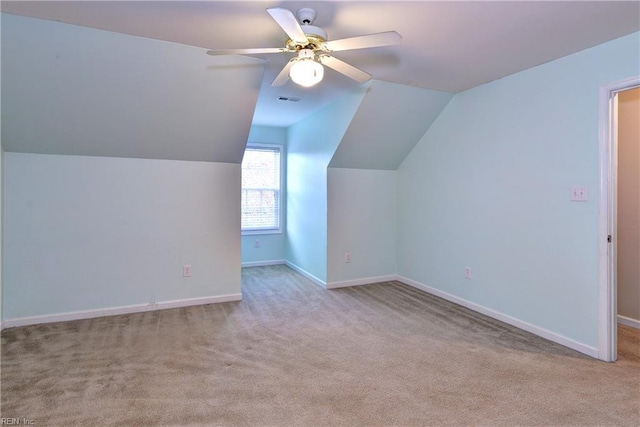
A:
[(288, 98)]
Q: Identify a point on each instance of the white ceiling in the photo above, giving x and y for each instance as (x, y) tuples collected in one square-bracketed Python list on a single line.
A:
[(448, 46)]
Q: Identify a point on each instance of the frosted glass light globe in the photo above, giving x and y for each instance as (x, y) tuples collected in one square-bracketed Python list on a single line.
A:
[(306, 71)]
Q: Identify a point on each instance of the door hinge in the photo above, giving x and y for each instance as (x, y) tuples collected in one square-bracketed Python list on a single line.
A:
[(609, 238)]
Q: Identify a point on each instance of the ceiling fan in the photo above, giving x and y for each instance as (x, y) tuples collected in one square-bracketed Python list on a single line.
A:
[(312, 49)]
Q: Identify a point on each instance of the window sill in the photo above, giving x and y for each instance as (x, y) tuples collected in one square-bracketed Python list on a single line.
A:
[(258, 232)]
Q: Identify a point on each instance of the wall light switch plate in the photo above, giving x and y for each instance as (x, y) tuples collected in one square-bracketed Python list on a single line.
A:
[(186, 270), (579, 194)]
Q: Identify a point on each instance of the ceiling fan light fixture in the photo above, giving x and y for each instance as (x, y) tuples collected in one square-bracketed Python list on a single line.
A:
[(306, 71)]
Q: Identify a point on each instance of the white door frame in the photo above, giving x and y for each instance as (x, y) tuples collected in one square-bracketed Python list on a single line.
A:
[(607, 292)]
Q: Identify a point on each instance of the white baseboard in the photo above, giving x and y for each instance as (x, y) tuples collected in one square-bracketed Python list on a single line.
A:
[(360, 282), (113, 311), (306, 274), (263, 263), (629, 321), (536, 330)]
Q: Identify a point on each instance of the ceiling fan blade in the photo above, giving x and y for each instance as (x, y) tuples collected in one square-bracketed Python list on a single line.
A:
[(289, 23), (371, 40), (344, 68), (256, 51), (283, 77)]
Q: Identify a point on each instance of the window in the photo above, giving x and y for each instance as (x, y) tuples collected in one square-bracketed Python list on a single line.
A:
[(261, 196)]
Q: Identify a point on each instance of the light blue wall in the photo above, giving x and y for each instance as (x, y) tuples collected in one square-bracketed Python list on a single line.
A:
[(389, 122), (361, 220), (310, 145), (487, 187), (268, 134), (1, 232), (271, 245), (87, 226), (65, 85), (90, 233)]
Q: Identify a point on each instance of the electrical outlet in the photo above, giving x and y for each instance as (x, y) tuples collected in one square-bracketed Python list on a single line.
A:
[(186, 270), (256, 244), (467, 273), (347, 257)]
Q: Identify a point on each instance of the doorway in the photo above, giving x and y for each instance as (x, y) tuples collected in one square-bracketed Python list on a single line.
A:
[(609, 220), (628, 215)]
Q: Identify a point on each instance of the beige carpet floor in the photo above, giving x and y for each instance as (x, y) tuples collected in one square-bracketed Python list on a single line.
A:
[(294, 354)]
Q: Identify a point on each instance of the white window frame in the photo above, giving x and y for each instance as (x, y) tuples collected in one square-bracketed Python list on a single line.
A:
[(278, 230)]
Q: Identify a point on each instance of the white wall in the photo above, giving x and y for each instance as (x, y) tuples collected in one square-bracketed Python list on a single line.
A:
[(89, 233), (488, 186), (628, 273), (362, 221), (271, 246), (310, 145)]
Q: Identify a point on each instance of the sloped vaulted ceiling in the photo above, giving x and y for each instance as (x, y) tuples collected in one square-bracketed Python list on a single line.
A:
[(80, 91), (389, 122), (449, 46)]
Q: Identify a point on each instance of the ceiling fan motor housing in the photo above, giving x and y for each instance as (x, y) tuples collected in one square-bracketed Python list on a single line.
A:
[(311, 30), (316, 35)]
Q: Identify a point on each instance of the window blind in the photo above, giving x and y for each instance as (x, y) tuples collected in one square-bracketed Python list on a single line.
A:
[(261, 188)]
